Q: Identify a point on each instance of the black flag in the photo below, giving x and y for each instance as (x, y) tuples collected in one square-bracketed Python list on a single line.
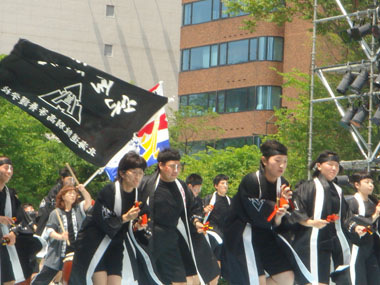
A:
[(93, 113)]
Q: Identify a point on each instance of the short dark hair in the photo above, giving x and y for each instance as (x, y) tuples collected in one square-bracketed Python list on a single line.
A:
[(130, 160), (359, 176), (26, 205), (194, 179), (219, 178), (65, 172), (326, 155), (168, 154), (271, 148)]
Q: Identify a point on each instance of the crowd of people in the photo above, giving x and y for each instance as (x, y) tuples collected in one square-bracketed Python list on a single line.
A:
[(157, 229)]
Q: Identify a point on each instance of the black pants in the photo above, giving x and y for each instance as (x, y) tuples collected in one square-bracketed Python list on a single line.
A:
[(45, 276)]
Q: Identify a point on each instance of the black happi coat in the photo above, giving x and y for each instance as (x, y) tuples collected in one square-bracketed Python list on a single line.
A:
[(219, 213), (364, 264), (200, 253), (104, 228), (9, 202), (310, 203), (251, 207)]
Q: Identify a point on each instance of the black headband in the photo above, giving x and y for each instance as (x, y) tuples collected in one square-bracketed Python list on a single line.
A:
[(329, 158), (5, 161), (272, 152)]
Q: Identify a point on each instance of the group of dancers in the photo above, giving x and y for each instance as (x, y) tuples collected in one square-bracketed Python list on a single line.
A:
[(157, 229)]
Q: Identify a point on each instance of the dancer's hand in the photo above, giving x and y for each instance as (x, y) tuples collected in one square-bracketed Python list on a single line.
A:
[(5, 220), (131, 214), (360, 230)]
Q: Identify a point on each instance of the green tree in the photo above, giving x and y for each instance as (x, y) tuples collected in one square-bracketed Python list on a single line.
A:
[(279, 12), (233, 162), (293, 128), (36, 157), (191, 124)]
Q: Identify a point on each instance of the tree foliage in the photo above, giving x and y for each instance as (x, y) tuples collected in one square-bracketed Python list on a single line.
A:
[(280, 11), (190, 124), (37, 159), (293, 128), (233, 162)]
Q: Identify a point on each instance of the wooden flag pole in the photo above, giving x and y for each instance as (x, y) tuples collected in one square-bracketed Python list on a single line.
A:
[(61, 224), (72, 173)]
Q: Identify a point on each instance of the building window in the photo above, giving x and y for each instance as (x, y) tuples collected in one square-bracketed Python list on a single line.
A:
[(185, 59), (187, 14), (200, 58), (235, 52), (197, 146), (110, 10), (200, 101), (201, 12), (108, 50), (205, 11), (257, 140), (267, 97), (234, 100)]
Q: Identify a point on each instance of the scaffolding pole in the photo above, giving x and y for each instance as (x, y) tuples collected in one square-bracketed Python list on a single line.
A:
[(365, 147)]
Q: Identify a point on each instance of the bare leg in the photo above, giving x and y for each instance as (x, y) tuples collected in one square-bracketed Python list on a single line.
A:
[(213, 281), (283, 278), (100, 278), (114, 280)]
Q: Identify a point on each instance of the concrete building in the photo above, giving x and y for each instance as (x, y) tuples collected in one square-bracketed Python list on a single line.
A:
[(230, 70), (136, 41)]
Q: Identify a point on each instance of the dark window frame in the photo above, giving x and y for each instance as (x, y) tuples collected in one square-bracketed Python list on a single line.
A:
[(219, 56)]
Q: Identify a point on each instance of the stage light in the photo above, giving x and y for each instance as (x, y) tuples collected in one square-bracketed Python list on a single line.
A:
[(376, 82), (346, 119), (359, 81), (376, 117), (357, 32), (376, 32), (359, 116), (346, 81)]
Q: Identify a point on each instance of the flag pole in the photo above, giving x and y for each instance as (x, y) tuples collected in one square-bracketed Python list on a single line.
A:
[(97, 172)]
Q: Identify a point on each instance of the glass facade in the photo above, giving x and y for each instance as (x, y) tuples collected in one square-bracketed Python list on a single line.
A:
[(234, 100), (254, 49), (205, 11), (197, 146)]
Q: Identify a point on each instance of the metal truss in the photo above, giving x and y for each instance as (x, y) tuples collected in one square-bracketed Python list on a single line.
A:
[(365, 146)]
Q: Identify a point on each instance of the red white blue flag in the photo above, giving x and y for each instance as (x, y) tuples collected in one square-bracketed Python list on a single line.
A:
[(152, 137)]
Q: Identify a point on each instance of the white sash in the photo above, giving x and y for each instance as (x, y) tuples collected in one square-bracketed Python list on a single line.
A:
[(212, 202), (299, 262), (319, 201), (15, 262), (355, 248), (181, 228), (250, 258), (278, 185), (106, 240)]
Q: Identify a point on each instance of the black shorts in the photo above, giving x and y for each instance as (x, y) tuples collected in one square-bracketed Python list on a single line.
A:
[(270, 257), (167, 255), (112, 260)]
